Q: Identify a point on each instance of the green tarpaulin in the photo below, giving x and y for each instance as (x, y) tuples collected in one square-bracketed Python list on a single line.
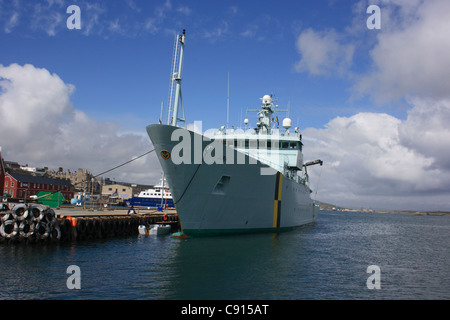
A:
[(53, 200)]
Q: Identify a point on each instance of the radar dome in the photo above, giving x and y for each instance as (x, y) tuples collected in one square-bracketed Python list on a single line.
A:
[(287, 123), (267, 99)]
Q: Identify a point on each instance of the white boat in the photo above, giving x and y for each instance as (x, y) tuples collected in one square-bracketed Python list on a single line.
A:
[(80, 198), (159, 229), (158, 196), (154, 229), (233, 181)]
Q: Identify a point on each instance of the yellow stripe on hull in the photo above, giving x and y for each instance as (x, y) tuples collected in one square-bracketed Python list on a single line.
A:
[(277, 201)]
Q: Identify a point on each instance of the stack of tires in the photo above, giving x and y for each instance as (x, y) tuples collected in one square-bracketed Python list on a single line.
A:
[(30, 223), (38, 223)]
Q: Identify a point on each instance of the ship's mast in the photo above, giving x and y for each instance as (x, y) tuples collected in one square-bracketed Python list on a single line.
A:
[(268, 108), (173, 118), (228, 101)]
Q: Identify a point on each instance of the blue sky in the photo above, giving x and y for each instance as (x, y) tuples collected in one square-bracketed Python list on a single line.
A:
[(372, 104), (120, 64)]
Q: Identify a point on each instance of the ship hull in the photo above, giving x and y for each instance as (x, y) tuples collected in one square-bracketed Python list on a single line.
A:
[(222, 198)]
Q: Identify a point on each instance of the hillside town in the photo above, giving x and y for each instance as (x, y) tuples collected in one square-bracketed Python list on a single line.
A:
[(20, 182)]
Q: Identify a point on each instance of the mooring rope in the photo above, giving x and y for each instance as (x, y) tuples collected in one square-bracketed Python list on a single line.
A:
[(125, 163), (116, 167)]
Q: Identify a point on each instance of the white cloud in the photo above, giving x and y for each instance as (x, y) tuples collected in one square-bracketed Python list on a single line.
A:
[(367, 163), (375, 159), (232, 11), (427, 130), (155, 23), (114, 26), (97, 18), (412, 55), (251, 31), (92, 19), (31, 97), (133, 6), (41, 127), (12, 22), (322, 53), (161, 10), (217, 32), (184, 10), (47, 18)]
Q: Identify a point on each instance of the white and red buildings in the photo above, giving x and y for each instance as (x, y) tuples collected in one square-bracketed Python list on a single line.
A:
[(22, 185)]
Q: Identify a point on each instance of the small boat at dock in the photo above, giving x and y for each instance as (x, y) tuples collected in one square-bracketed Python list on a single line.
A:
[(154, 229), (158, 196)]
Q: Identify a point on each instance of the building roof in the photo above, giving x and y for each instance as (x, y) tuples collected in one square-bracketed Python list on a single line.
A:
[(39, 179)]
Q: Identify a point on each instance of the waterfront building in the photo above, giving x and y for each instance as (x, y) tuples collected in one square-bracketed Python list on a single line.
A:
[(22, 184), (121, 192)]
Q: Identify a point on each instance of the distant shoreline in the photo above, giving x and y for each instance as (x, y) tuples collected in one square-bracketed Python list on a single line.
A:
[(417, 213)]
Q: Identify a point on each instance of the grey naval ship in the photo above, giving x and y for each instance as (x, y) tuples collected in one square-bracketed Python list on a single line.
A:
[(233, 180)]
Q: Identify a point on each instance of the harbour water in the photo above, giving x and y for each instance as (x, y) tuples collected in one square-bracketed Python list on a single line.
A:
[(327, 260)]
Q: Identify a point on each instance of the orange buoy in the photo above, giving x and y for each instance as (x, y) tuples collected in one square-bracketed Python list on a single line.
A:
[(179, 235)]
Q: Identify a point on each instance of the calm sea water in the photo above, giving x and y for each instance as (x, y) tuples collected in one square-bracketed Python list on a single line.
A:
[(326, 260)]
